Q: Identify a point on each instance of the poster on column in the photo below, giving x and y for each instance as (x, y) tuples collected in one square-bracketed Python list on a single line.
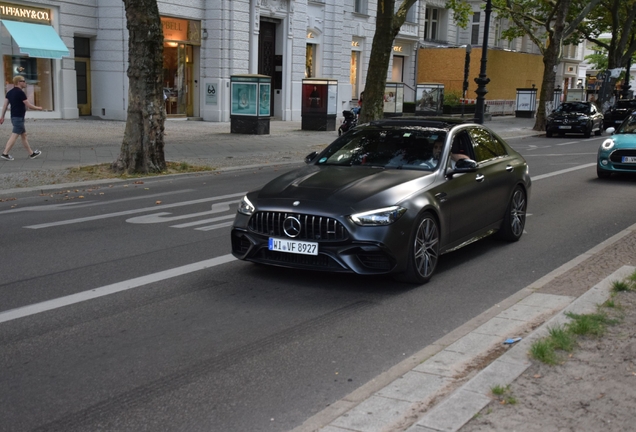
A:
[(211, 93)]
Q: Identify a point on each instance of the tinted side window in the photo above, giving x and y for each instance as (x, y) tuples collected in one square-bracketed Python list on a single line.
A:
[(485, 146)]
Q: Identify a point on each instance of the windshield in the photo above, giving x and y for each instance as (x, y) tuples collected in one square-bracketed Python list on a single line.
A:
[(628, 126), (629, 104), (402, 148), (573, 108)]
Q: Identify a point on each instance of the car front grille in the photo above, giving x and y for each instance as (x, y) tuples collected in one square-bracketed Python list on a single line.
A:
[(311, 227), (617, 156)]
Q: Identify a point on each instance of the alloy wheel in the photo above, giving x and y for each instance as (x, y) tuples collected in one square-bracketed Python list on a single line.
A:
[(426, 247), (518, 212)]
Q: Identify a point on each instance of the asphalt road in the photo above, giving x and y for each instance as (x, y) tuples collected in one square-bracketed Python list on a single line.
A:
[(123, 311)]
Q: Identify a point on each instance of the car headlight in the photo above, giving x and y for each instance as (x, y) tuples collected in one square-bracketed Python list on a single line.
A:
[(379, 217), (246, 207), (607, 144)]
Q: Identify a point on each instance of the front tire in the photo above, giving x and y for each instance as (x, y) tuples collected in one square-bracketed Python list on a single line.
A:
[(548, 134), (514, 220), (423, 251), (588, 132)]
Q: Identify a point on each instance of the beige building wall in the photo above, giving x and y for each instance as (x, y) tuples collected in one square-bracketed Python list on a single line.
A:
[(507, 71)]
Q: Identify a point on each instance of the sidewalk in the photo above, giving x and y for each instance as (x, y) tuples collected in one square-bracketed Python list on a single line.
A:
[(71, 143)]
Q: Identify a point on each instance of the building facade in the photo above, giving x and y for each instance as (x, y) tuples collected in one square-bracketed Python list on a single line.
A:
[(207, 42)]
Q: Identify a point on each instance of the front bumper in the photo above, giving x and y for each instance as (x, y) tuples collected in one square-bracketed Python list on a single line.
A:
[(564, 128), (611, 161), (353, 249)]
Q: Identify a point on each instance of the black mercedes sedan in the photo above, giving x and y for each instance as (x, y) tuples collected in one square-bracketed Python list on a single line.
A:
[(389, 196), (575, 117), (614, 116)]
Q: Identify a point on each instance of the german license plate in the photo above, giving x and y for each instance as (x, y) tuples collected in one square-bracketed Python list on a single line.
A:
[(293, 246), (565, 127), (618, 121), (629, 159)]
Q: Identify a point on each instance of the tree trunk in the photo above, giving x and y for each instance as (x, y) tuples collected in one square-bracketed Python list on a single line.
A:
[(387, 26), (551, 58), (142, 150)]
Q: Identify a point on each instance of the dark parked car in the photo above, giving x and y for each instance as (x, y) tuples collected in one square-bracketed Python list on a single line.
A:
[(387, 197), (575, 117), (617, 154), (619, 112)]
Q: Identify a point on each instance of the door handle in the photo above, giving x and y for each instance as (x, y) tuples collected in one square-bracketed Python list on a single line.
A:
[(441, 197), (510, 168), (480, 178)]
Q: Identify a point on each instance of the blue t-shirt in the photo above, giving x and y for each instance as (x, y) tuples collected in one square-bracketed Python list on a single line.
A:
[(16, 98)]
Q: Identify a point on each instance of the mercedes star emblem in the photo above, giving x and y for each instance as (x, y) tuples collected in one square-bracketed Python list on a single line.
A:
[(291, 226)]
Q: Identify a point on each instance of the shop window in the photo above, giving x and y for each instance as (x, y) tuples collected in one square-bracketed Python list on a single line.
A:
[(310, 61), (355, 64), (37, 73)]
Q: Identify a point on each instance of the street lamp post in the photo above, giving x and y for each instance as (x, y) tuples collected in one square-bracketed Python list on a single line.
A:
[(625, 88), (466, 69), (483, 79)]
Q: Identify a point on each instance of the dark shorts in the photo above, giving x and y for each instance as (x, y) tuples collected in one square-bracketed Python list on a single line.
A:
[(18, 125)]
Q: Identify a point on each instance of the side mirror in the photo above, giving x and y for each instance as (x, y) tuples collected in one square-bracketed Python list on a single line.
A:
[(311, 156), (610, 130), (463, 166)]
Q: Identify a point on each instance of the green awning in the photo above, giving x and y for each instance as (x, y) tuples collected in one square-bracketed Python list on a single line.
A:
[(36, 40)]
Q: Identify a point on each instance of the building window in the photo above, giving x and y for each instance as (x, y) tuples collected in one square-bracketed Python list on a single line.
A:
[(360, 6), (355, 66), (430, 23), (310, 61), (498, 30), (411, 15), (474, 35)]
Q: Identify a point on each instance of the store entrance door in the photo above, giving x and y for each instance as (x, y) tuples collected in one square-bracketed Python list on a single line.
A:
[(83, 78), (178, 79)]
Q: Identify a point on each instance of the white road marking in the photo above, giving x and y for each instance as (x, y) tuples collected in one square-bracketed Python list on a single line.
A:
[(166, 274), (57, 303), (556, 173), (212, 227), (203, 221), (85, 203), (160, 217), (129, 212)]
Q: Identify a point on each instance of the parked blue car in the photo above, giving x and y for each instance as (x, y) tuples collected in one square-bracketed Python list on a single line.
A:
[(617, 154)]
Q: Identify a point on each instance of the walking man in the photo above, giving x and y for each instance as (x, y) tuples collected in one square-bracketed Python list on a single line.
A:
[(19, 103)]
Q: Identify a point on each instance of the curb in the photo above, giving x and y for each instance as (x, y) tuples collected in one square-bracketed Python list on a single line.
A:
[(444, 385), (453, 413)]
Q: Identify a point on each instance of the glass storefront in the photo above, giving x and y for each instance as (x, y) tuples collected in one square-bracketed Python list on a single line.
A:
[(180, 38), (37, 74)]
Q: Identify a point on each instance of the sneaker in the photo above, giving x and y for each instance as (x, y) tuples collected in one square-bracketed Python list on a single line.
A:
[(35, 154), (6, 157)]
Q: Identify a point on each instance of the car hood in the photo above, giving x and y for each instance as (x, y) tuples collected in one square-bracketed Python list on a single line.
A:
[(359, 188), (622, 141), (568, 115)]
